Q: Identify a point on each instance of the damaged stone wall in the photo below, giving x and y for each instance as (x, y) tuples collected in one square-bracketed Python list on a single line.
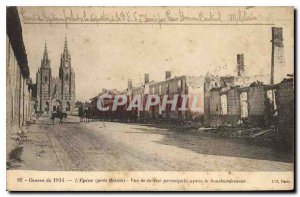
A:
[(256, 104), (209, 83), (215, 117), (215, 102), (234, 106), (285, 106)]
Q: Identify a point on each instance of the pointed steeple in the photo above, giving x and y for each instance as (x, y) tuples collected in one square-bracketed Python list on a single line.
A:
[(65, 59), (45, 52), (66, 45), (45, 61), (66, 53)]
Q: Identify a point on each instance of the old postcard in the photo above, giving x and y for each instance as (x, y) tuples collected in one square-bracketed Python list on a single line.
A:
[(150, 98)]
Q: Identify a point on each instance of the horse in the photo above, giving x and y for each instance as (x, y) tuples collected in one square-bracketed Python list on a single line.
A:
[(81, 113), (60, 115), (88, 114)]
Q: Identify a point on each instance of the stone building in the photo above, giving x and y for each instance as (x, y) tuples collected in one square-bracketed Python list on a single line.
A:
[(18, 82), (55, 93)]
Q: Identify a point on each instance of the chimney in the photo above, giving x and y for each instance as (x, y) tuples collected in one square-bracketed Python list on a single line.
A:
[(146, 78), (168, 75), (129, 84), (278, 67), (240, 64)]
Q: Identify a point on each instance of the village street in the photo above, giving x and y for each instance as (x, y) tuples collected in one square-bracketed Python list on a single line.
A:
[(117, 146)]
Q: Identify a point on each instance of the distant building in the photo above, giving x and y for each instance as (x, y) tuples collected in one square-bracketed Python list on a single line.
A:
[(54, 93), (107, 102), (191, 86), (182, 85), (108, 114)]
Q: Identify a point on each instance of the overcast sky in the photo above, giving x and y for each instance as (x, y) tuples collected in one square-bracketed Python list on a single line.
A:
[(106, 56)]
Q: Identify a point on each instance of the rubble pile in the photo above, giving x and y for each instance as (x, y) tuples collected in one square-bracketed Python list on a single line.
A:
[(256, 133), (173, 123)]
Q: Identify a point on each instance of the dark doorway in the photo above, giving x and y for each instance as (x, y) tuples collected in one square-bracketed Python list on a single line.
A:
[(68, 106), (47, 107)]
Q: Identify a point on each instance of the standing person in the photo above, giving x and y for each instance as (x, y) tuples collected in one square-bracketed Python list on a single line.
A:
[(85, 114), (89, 111), (80, 113)]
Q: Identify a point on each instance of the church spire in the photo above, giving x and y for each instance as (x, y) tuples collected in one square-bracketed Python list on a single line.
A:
[(66, 53), (66, 46), (45, 61), (45, 51), (65, 59)]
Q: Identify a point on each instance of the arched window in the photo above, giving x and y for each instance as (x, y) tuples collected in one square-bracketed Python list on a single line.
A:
[(45, 78)]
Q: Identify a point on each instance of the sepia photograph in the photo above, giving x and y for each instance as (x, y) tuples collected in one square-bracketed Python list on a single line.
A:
[(150, 98)]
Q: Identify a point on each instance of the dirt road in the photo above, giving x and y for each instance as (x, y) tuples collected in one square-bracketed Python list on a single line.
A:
[(104, 146)]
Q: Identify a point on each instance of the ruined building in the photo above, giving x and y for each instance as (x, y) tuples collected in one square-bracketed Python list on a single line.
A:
[(234, 100), (54, 93), (191, 86)]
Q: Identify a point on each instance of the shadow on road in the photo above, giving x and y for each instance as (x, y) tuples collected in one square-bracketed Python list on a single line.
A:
[(56, 123), (231, 147), (70, 122)]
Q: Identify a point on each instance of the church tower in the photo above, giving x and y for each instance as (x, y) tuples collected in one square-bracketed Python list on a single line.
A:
[(56, 93), (44, 83), (67, 77)]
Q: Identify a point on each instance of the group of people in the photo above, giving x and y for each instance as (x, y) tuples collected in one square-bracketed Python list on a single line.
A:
[(89, 115), (85, 115)]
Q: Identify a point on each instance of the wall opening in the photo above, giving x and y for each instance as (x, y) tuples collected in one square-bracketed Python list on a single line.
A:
[(271, 99), (224, 109), (57, 105), (47, 107), (244, 104)]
